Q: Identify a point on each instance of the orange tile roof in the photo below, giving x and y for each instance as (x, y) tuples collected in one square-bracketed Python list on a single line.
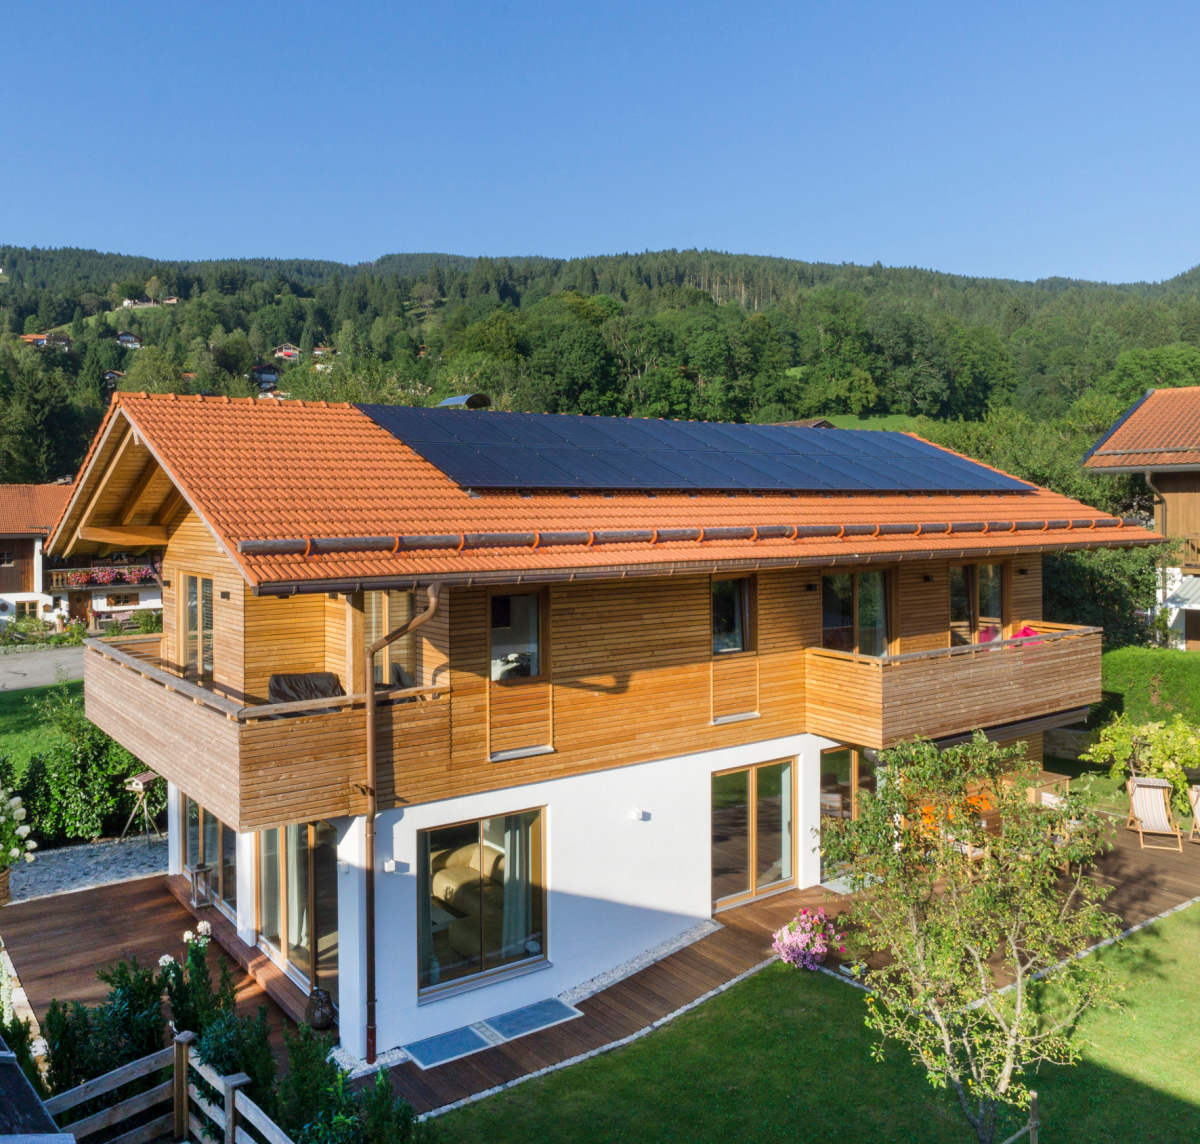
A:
[(1160, 430), (257, 470), (31, 510)]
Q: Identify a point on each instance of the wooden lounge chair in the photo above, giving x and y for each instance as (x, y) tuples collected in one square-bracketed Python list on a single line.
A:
[(1150, 812), (1194, 799)]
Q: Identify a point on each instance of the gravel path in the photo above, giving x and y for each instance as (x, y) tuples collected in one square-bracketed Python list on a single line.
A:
[(92, 864)]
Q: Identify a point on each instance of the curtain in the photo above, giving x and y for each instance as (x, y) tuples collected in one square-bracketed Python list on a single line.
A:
[(517, 889)]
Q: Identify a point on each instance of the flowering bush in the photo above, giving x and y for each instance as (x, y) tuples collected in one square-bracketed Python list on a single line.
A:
[(15, 842), (807, 938)]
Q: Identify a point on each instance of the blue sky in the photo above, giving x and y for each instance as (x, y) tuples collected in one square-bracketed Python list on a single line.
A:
[(1003, 140)]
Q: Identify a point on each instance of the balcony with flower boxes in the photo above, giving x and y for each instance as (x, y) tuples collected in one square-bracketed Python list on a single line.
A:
[(100, 575)]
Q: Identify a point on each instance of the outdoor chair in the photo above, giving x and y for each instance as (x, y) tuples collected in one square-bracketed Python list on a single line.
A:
[(1150, 812), (1194, 799)]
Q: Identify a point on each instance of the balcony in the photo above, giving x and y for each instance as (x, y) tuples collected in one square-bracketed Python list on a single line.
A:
[(101, 576), (877, 702), (258, 766)]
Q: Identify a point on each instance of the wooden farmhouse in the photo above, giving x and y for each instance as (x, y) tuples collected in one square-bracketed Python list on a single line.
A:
[(27, 514), (1159, 437), (636, 665)]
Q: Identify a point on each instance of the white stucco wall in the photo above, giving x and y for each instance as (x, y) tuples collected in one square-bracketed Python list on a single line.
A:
[(616, 886)]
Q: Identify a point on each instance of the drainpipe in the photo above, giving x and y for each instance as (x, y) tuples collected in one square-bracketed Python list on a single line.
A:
[(372, 802)]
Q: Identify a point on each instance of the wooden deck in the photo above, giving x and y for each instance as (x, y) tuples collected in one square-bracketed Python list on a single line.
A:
[(57, 943)]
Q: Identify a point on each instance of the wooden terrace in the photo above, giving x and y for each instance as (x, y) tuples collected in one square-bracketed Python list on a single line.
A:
[(58, 943)]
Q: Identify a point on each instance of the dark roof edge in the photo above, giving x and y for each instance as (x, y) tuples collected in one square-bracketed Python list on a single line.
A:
[(1117, 425)]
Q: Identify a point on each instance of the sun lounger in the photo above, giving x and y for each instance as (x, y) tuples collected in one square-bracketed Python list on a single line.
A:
[(1194, 799), (1150, 812)]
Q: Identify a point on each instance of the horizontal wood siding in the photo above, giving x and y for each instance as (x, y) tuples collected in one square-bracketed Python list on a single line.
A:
[(519, 716), (789, 618), (192, 548), (1034, 746), (1027, 588), (734, 684), (302, 767), (469, 681), (18, 576), (335, 637), (433, 645), (876, 704), (413, 749), (924, 610), (283, 634), (190, 745)]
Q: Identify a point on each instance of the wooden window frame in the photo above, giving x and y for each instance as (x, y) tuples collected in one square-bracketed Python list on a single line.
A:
[(181, 629), (855, 758), (217, 884), (891, 592), (499, 973), (113, 601), (720, 904), (1006, 588), (749, 618), (543, 676)]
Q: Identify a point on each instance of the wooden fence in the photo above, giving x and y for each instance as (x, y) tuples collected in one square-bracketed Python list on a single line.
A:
[(234, 1110)]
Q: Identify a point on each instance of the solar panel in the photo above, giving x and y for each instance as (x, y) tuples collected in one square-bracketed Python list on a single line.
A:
[(550, 451)]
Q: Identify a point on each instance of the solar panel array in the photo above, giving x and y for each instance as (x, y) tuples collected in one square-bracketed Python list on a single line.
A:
[(553, 451)]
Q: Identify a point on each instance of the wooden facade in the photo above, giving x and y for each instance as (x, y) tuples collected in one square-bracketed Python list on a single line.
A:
[(17, 576), (1178, 515), (628, 675)]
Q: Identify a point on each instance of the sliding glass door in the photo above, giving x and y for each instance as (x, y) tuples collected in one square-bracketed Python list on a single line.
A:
[(753, 843), (208, 842), (297, 901), (846, 773)]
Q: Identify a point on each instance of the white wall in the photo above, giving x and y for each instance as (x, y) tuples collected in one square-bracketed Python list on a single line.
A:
[(175, 830), (616, 886)]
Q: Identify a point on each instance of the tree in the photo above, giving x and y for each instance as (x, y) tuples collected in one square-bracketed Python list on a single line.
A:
[(153, 371), (956, 876), (154, 289), (77, 326)]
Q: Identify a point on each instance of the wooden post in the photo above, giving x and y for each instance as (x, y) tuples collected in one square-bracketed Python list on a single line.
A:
[(1033, 1118), (182, 1043), (231, 1084), (356, 682)]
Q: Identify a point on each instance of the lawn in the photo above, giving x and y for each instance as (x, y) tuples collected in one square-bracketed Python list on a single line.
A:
[(898, 421), (785, 1056), (22, 733)]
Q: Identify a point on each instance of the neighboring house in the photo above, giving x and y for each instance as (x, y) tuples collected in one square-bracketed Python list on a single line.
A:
[(265, 376), (1159, 437), (654, 657), (27, 514), (171, 301), (34, 339), (112, 377), (129, 341), (287, 351)]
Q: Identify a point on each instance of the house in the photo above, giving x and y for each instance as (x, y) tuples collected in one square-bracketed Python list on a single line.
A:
[(287, 351), (635, 665), (27, 514), (265, 376), (34, 339), (170, 301), (1159, 437), (112, 377), (129, 341)]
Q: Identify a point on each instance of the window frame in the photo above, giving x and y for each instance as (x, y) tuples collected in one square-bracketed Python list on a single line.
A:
[(181, 627), (739, 899), (891, 602), (543, 619), (749, 614), (1006, 587), (427, 993), (218, 883)]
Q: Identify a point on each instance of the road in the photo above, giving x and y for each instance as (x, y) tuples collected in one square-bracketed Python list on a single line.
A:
[(37, 668)]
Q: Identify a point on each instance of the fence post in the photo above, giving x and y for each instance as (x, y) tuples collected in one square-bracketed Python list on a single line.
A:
[(182, 1044), (1034, 1123), (231, 1084)]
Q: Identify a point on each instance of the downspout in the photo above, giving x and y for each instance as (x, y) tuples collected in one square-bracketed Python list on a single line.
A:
[(372, 801)]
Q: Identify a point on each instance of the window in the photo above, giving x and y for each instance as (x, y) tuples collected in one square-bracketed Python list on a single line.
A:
[(752, 840), (122, 600), (731, 616), (297, 901), (976, 603), (6, 560), (845, 773), (515, 624), (383, 612), (26, 608), (210, 842), (479, 897), (854, 612), (198, 628)]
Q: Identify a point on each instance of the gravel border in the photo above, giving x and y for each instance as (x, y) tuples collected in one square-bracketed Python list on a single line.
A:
[(67, 869)]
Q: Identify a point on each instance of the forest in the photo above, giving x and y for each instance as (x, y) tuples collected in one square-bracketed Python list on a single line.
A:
[(1023, 375)]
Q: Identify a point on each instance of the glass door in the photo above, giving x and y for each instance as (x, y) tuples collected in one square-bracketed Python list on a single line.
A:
[(846, 773), (753, 844), (198, 628)]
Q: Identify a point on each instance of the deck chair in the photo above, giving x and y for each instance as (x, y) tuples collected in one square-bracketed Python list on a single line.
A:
[(1194, 799), (1150, 812)]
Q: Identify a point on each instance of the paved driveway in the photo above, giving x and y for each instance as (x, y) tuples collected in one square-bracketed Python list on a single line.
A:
[(36, 668)]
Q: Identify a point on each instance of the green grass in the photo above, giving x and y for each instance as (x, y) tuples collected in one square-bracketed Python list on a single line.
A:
[(898, 421), (1151, 683), (785, 1056), (22, 733)]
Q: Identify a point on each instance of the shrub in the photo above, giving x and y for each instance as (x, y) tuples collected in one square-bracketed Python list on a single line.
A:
[(18, 1036), (147, 621), (194, 1005), (234, 1044), (306, 1091), (15, 842), (375, 1115), (1161, 750)]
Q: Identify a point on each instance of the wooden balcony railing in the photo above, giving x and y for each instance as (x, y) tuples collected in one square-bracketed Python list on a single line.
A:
[(878, 701), (265, 765), (60, 578)]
